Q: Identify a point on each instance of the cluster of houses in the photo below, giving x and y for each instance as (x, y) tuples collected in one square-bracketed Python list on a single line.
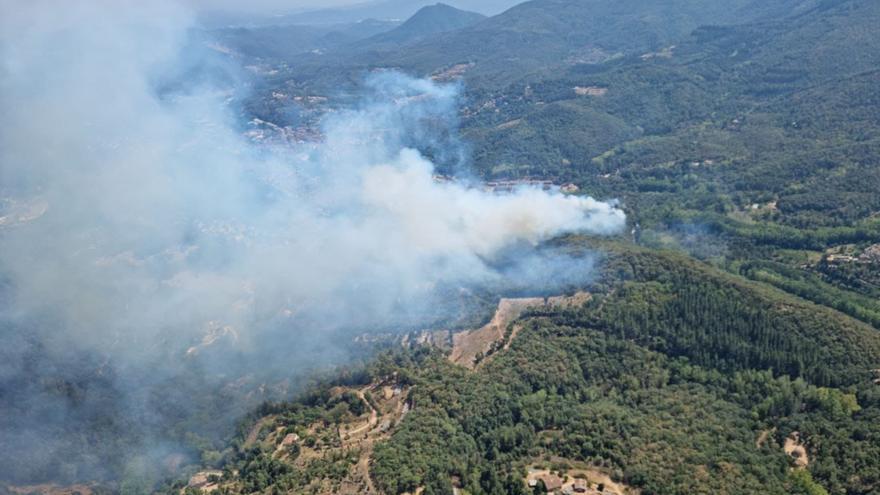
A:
[(507, 186), (558, 486), (290, 439), (870, 255), (205, 481), (511, 185), (452, 73), (268, 132), (590, 91)]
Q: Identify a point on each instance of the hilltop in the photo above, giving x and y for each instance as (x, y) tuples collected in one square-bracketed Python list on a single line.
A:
[(430, 20), (385, 9)]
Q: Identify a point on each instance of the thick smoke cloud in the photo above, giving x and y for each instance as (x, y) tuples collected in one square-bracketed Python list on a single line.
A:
[(138, 226)]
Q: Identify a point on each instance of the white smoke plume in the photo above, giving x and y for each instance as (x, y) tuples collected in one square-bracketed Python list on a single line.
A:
[(135, 220)]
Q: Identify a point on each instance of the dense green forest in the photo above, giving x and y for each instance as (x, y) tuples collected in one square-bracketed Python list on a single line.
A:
[(679, 379)]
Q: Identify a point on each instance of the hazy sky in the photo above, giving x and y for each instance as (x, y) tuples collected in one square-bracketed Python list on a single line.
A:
[(287, 6), (252, 6)]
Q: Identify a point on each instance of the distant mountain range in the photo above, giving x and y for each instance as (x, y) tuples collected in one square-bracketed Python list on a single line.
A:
[(533, 36), (290, 41), (282, 42), (388, 10)]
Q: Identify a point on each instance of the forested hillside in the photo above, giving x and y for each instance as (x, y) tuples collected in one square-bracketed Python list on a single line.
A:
[(535, 40), (674, 378), (428, 21), (755, 142)]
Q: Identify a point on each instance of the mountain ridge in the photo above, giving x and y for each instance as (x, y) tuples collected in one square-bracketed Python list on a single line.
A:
[(427, 21)]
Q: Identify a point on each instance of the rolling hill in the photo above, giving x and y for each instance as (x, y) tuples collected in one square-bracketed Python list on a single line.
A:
[(428, 21), (281, 41)]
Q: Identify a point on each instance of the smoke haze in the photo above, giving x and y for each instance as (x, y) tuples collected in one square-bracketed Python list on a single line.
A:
[(139, 228)]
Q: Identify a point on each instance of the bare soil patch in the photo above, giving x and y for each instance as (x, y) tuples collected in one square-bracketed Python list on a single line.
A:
[(762, 438), (467, 346), (795, 448), (595, 479)]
